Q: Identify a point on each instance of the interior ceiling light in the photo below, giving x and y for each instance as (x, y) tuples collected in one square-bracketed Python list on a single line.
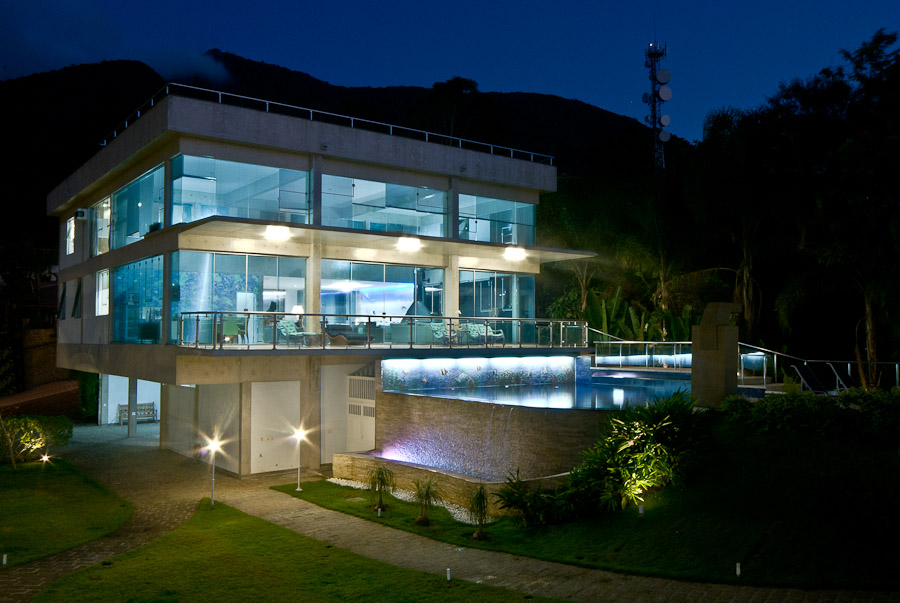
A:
[(277, 233), (514, 253), (409, 244)]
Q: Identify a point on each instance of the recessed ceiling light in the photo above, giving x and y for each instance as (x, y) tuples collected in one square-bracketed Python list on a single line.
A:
[(277, 233), (514, 253), (409, 244)]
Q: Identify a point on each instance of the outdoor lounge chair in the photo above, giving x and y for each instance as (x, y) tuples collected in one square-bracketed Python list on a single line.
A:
[(482, 333), (289, 329), (809, 380), (842, 376), (343, 335)]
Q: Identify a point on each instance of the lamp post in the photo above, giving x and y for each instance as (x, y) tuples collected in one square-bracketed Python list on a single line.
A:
[(299, 436), (213, 445)]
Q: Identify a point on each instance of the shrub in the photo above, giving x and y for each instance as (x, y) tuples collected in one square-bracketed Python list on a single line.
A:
[(478, 508), (530, 506), (31, 435), (380, 478), (427, 496)]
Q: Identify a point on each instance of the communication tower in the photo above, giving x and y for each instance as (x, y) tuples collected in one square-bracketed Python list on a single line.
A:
[(659, 93)]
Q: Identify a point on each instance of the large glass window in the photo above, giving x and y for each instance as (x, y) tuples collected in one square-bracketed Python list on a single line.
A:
[(204, 187), (496, 220), (101, 304), (378, 206), (361, 289), (138, 208), (100, 214), (496, 294), (220, 282), (137, 301)]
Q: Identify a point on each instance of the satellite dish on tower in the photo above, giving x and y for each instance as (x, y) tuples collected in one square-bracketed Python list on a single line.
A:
[(663, 76), (665, 93), (664, 136), (665, 120)]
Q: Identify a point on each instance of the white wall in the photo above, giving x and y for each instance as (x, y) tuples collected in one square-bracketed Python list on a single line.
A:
[(180, 419), (218, 414), (274, 414), (334, 408)]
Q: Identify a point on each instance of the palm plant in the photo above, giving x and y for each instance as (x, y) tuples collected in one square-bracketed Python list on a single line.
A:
[(427, 496), (478, 510), (380, 478)]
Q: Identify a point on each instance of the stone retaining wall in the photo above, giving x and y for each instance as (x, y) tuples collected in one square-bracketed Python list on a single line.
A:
[(481, 439), (452, 487)]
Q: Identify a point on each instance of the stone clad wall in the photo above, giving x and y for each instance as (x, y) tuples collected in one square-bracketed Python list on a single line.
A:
[(483, 440), (39, 358), (452, 487)]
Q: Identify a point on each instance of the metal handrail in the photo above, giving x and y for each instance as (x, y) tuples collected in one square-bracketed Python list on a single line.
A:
[(353, 122), (248, 330), (648, 349)]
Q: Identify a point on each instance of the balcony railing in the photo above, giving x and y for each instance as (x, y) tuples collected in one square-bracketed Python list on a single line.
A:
[(643, 354), (281, 331), (226, 98)]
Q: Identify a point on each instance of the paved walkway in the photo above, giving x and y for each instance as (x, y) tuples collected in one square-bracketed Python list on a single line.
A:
[(165, 488)]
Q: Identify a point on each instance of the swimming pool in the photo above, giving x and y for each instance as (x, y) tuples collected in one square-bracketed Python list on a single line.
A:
[(590, 396)]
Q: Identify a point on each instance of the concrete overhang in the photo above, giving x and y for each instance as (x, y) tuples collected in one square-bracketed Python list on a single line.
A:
[(385, 245)]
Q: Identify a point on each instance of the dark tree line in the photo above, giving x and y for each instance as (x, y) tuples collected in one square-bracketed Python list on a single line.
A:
[(790, 209)]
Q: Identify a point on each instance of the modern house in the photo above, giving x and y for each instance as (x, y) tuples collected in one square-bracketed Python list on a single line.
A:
[(240, 268)]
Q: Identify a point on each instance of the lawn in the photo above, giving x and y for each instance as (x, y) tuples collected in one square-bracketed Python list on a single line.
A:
[(47, 508), (791, 509), (222, 554)]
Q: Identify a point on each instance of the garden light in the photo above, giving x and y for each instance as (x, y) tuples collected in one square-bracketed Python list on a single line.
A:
[(299, 436), (214, 445)]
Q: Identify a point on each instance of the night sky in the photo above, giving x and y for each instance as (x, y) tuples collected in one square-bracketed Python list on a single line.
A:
[(720, 53)]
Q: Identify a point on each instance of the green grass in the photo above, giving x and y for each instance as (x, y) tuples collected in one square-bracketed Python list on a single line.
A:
[(793, 510), (222, 554), (49, 508)]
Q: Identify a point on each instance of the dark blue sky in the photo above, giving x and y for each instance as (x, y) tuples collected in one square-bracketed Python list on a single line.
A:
[(720, 52)]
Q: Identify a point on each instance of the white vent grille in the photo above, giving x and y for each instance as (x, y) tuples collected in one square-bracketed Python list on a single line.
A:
[(361, 410), (361, 388)]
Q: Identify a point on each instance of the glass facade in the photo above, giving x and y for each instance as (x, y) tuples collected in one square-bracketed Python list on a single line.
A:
[(99, 225), (378, 206), (137, 301), (496, 294), (381, 289), (220, 282), (496, 221), (204, 187), (138, 208)]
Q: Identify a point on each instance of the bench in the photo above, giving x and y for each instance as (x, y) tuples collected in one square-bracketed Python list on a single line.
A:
[(145, 410)]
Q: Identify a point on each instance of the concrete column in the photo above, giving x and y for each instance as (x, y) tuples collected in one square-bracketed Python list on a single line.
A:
[(163, 416), (244, 430), (451, 287), (714, 348), (311, 414), (132, 407), (314, 287), (167, 195), (315, 189), (453, 214)]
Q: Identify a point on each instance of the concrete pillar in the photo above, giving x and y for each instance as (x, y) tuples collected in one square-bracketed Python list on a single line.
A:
[(451, 287), (715, 355), (244, 443), (453, 206), (315, 190), (311, 414), (132, 406), (314, 288)]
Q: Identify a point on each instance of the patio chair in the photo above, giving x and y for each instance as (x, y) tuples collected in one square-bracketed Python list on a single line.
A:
[(482, 333), (809, 380), (842, 376), (289, 329), (441, 335)]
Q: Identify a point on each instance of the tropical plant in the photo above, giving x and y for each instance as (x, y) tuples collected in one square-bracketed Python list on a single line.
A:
[(478, 510), (427, 496), (380, 478), (529, 506)]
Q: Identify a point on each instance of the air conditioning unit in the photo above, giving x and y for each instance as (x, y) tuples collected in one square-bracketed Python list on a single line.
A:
[(81, 214)]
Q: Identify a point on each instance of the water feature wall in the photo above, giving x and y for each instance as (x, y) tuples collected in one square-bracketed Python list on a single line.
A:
[(482, 440)]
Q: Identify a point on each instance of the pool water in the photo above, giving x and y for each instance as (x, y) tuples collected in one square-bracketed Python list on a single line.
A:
[(588, 396)]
